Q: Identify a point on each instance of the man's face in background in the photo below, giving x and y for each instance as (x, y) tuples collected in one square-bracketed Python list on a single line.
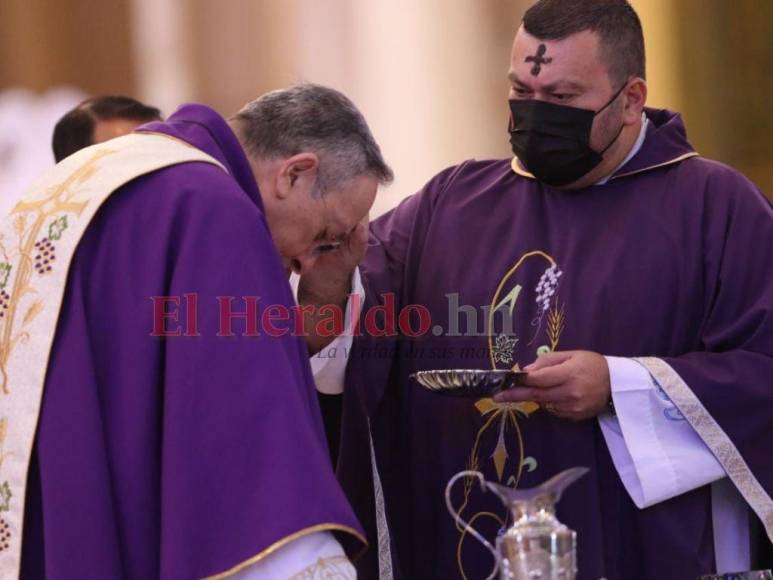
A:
[(106, 129), (98, 120)]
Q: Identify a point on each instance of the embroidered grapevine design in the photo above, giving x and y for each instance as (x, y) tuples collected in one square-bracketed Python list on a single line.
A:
[(45, 256), (5, 535), (27, 252), (5, 493), (509, 454), (5, 497), (546, 290), (31, 251)]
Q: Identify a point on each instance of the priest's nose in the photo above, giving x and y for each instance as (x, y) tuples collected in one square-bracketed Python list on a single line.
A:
[(304, 263)]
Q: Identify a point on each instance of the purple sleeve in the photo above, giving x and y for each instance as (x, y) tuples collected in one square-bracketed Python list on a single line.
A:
[(398, 235), (731, 370), (394, 248), (395, 243)]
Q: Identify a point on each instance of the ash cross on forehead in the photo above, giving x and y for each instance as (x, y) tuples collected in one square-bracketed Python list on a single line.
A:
[(538, 60)]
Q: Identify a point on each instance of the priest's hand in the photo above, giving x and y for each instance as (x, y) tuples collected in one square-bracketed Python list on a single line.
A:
[(571, 384), (328, 282)]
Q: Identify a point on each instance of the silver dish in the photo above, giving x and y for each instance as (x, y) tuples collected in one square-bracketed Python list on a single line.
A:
[(468, 382)]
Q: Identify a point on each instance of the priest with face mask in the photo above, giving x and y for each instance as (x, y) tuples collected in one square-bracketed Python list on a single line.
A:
[(630, 278)]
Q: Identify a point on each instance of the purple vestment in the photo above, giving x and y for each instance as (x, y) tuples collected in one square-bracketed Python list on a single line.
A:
[(671, 258), (177, 457)]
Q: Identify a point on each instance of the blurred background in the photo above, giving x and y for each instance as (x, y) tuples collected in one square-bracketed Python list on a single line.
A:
[(430, 76)]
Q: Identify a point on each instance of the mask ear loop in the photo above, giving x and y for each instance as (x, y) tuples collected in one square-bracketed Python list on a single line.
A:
[(612, 100), (612, 141)]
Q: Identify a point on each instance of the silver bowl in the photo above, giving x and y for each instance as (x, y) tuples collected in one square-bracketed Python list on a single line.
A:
[(476, 383)]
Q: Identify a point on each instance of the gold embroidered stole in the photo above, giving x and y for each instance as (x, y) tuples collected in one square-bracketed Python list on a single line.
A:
[(37, 242)]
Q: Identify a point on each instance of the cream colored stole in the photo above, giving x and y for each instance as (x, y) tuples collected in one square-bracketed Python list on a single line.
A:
[(37, 242)]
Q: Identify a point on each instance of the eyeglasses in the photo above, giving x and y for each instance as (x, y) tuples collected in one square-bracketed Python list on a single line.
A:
[(326, 248)]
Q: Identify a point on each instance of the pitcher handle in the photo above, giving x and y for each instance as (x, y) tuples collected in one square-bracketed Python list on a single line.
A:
[(467, 527)]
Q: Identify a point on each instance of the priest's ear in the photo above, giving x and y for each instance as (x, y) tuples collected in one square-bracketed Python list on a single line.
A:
[(297, 174), (635, 95)]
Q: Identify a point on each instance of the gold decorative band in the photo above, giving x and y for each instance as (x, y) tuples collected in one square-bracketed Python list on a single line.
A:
[(518, 170), (286, 540), (714, 437), (664, 164)]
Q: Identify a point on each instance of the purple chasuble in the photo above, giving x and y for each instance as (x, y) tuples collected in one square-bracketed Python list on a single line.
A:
[(177, 457), (671, 258)]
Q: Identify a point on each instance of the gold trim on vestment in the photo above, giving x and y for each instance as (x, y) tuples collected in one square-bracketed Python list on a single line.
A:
[(664, 164), (517, 169), (714, 437), (283, 542)]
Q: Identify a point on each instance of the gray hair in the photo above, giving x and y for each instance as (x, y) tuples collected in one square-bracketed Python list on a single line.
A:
[(316, 119)]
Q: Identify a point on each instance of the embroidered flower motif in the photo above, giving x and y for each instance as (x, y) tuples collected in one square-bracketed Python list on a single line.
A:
[(5, 535), (57, 227), (45, 255), (5, 497), (670, 412), (5, 272), (503, 349), (673, 414), (529, 463)]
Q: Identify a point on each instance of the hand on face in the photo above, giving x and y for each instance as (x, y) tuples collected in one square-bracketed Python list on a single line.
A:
[(307, 224), (572, 385), (328, 280)]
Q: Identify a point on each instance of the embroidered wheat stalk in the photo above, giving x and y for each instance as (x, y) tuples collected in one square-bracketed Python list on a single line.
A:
[(556, 323)]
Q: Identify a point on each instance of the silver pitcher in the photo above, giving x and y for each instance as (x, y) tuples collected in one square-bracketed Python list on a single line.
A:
[(536, 546)]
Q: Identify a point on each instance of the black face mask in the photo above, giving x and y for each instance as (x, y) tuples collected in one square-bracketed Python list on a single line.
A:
[(553, 141)]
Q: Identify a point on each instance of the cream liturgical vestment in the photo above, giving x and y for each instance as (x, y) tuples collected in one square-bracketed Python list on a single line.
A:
[(37, 242)]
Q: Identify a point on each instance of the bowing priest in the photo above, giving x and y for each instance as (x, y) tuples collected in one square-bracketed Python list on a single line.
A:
[(155, 422), (628, 275)]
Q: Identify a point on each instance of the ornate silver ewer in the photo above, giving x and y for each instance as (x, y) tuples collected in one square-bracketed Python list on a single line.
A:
[(536, 546)]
